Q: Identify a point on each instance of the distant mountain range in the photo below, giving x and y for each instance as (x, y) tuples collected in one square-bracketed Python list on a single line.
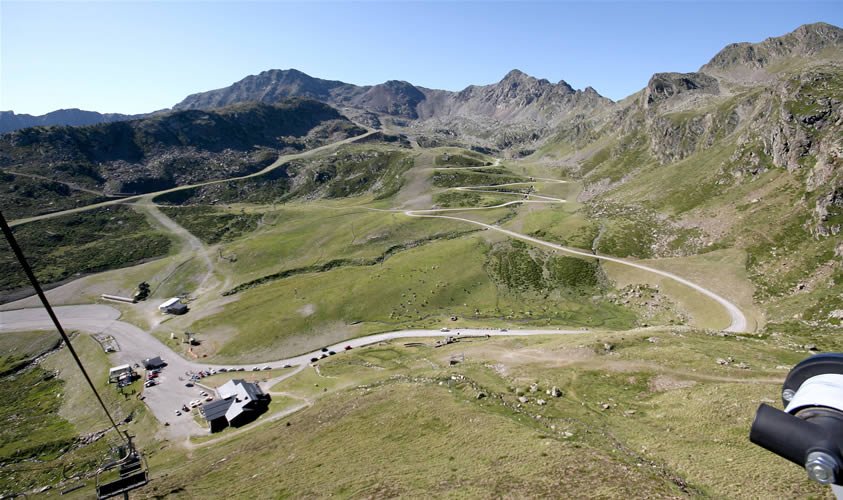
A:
[(10, 121), (531, 108), (517, 96)]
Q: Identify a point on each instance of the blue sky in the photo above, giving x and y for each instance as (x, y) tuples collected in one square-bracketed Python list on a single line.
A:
[(133, 57)]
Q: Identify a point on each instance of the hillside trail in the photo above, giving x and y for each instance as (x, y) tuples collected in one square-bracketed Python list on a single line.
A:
[(191, 245), (282, 159), (738, 321)]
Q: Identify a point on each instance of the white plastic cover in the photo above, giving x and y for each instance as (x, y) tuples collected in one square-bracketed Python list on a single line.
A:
[(822, 390)]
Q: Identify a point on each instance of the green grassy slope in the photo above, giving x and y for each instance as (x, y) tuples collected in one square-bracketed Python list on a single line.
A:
[(655, 418), (93, 241)]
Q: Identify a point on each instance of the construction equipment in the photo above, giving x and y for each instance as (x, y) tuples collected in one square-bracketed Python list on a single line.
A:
[(142, 291)]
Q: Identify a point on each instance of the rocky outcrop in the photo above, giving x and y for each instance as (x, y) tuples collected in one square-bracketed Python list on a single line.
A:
[(664, 86), (829, 213)]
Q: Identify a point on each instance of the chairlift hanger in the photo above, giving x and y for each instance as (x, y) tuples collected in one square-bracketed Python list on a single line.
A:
[(133, 472)]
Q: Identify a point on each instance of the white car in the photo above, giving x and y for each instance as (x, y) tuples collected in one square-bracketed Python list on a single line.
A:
[(178, 413)]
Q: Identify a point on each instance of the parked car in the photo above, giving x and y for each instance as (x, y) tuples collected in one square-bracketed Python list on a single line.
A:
[(178, 413), (288, 366), (188, 384), (255, 369), (223, 370), (348, 348), (149, 383), (324, 349), (209, 398), (331, 353), (203, 394), (323, 356), (266, 368), (313, 360)]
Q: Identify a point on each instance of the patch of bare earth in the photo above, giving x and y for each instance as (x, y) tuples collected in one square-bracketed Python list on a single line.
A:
[(306, 310), (664, 383)]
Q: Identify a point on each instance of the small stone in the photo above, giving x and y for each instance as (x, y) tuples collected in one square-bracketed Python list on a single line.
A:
[(608, 347), (523, 399), (721, 361), (534, 388), (556, 392), (742, 366), (541, 402), (481, 395), (652, 340), (605, 406), (811, 347)]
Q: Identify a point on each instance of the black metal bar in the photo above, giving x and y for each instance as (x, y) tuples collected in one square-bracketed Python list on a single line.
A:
[(7, 232)]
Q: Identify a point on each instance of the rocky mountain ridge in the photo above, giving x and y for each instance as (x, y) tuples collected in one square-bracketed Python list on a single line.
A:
[(401, 99), (477, 114)]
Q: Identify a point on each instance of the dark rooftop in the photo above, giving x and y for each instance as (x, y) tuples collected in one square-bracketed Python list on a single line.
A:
[(216, 409)]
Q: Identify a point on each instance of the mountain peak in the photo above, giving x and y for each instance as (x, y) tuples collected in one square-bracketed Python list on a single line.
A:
[(819, 29), (806, 40), (516, 75)]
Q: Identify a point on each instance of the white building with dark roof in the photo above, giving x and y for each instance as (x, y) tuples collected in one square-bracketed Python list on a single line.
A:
[(239, 403), (173, 306)]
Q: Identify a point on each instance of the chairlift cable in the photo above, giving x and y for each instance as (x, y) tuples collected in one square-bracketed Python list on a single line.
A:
[(7, 232)]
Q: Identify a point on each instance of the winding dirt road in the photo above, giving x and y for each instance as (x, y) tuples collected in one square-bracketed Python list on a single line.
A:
[(738, 321)]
